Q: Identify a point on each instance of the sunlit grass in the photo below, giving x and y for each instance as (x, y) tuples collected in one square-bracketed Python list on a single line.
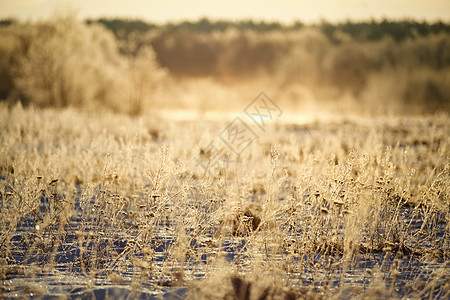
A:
[(334, 208)]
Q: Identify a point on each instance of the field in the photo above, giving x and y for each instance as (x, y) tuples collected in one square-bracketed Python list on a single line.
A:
[(224, 159), (235, 207)]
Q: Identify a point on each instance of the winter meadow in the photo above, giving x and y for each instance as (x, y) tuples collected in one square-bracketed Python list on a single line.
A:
[(224, 159)]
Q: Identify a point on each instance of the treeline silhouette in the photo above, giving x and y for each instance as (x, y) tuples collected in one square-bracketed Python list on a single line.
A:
[(362, 31)]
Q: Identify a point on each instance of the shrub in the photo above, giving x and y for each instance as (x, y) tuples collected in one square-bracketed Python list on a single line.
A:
[(63, 62)]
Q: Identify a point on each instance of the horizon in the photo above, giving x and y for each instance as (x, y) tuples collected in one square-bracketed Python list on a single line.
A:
[(235, 21), (285, 12)]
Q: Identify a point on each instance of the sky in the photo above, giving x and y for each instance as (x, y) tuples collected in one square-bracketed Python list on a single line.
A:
[(285, 11)]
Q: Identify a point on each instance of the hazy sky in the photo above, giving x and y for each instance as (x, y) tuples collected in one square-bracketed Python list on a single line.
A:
[(280, 10)]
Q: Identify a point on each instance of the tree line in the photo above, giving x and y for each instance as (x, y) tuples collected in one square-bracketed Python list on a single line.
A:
[(371, 30)]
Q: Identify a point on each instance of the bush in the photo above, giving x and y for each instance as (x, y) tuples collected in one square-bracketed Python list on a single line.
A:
[(63, 62)]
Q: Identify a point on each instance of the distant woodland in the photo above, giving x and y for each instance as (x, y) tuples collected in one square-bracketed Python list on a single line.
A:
[(404, 62)]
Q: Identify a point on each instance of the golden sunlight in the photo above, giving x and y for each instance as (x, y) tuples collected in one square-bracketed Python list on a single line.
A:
[(224, 149)]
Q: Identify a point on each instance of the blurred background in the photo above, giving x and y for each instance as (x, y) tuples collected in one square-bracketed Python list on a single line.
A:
[(139, 57)]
